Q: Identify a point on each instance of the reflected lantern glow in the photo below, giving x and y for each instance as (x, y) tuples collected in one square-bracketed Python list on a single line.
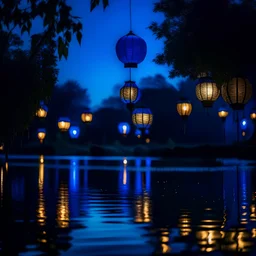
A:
[(64, 124)]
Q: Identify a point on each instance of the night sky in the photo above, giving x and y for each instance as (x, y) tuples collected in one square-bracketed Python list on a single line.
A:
[(95, 65)]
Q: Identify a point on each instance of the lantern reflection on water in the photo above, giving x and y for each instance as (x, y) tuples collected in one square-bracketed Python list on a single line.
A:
[(63, 207), (41, 213)]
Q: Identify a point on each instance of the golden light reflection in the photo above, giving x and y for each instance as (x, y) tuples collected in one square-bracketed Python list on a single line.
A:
[(185, 224), (41, 212), (164, 240), (253, 212), (6, 166), (2, 185), (143, 209), (63, 207), (124, 176), (41, 159), (208, 240)]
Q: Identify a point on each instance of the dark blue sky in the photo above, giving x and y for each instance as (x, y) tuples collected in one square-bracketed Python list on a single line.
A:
[(95, 64)]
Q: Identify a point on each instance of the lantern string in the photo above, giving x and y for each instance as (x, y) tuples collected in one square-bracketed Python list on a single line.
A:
[(130, 15), (130, 74)]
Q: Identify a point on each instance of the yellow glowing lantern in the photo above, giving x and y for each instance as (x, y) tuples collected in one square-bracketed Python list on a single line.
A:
[(223, 113), (184, 108), (64, 124), (42, 111), (237, 92), (142, 118), (87, 116), (207, 90), (130, 94), (253, 115), (41, 134)]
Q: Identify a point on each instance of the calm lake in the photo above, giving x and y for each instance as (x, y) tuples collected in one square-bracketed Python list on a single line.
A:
[(125, 206)]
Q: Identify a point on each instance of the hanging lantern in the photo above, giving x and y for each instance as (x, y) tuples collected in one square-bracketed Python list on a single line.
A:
[(86, 116), (64, 124), (253, 115), (206, 90), (184, 108), (74, 132), (124, 129), (41, 133), (130, 94), (142, 118), (131, 50), (138, 133), (42, 111), (223, 113), (237, 92)]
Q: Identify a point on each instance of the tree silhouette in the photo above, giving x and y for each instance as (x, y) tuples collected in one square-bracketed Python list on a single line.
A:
[(207, 35)]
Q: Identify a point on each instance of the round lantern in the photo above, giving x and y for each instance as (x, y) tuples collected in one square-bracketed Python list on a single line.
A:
[(207, 91), (74, 132), (41, 133), (237, 92), (138, 133), (64, 124), (184, 108), (142, 118), (131, 50), (130, 94), (86, 116), (42, 111), (253, 115), (124, 128), (223, 113)]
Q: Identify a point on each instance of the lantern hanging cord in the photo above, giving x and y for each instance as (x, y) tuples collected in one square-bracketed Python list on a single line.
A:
[(130, 74), (130, 15)]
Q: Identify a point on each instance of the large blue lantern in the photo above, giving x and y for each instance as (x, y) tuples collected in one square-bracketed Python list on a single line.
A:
[(130, 94), (124, 128), (131, 50), (142, 118), (74, 132)]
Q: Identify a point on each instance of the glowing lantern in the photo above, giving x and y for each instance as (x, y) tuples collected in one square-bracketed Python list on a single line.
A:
[(147, 140), (142, 118), (131, 50), (74, 132), (223, 113), (138, 133), (41, 133), (147, 136), (253, 115), (243, 124), (206, 90), (124, 128), (42, 111), (64, 124), (87, 116), (130, 94), (184, 108), (237, 92)]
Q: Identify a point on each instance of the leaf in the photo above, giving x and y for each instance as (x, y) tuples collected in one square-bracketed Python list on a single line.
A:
[(105, 4), (79, 37), (60, 47), (68, 36), (65, 52), (94, 3)]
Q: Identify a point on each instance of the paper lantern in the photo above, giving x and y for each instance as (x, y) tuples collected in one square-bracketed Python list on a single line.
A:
[(41, 134), (42, 111), (131, 50), (253, 114), (223, 113), (237, 92), (142, 118), (184, 108), (124, 128), (74, 132), (130, 94), (64, 124), (86, 116)]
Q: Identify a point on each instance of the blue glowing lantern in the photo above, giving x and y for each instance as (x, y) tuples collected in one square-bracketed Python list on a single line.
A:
[(138, 133), (142, 118), (244, 124), (131, 50), (124, 128), (74, 132), (130, 94)]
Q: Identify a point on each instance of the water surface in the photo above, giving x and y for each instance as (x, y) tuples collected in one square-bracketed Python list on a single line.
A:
[(84, 207)]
